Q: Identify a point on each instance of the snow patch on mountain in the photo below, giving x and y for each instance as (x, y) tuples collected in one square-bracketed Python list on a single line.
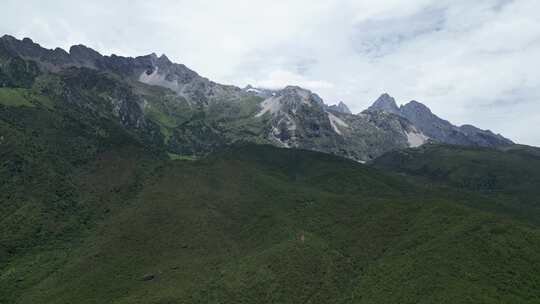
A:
[(335, 122), (416, 139), (272, 105), (275, 136), (157, 79)]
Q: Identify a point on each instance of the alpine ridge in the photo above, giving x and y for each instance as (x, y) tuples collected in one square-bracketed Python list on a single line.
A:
[(436, 128), (192, 115)]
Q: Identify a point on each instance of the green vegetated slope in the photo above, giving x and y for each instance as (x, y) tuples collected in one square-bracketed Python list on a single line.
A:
[(95, 209), (254, 224), (508, 179)]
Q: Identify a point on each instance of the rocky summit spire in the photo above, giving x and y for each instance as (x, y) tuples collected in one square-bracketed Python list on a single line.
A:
[(385, 103), (341, 107)]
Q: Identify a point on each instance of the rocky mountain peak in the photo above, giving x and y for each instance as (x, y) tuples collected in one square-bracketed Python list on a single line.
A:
[(295, 89), (153, 55), (420, 114), (385, 103), (340, 107), (25, 47), (417, 107), (163, 59), (296, 94), (84, 55), (435, 127), (291, 99), (9, 39)]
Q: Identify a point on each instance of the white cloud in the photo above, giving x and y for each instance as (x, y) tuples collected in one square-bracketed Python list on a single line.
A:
[(281, 78), (470, 61)]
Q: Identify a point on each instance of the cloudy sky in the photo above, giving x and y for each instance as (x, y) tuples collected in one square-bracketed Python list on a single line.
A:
[(470, 61)]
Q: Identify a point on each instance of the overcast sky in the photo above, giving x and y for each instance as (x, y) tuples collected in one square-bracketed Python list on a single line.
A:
[(472, 62)]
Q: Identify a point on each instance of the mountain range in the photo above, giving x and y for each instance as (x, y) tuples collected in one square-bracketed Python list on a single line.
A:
[(195, 115), (135, 180), (439, 129)]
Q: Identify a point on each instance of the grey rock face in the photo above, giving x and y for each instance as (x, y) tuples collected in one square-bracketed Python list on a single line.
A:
[(485, 138), (385, 103), (433, 126), (437, 128), (340, 107), (149, 69), (24, 48), (294, 116), (373, 133), (299, 118), (443, 131), (83, 55)]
